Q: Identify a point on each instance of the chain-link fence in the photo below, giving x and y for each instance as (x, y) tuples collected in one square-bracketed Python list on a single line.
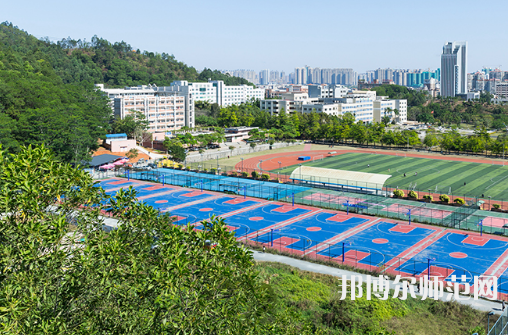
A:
[(467, 216)]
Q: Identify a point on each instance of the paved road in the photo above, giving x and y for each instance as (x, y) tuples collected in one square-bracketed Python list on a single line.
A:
[(483, 305)]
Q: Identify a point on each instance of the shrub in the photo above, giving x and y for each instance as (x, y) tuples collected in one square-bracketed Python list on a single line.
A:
[(254, 174), (496, 206), (224, 174), (427, 197), (180, 166), (413, 195), (213, 171), (398, 193), (444, 198), (205, 170), (265, 176), (245, 174), (459, 201), (233, 174)]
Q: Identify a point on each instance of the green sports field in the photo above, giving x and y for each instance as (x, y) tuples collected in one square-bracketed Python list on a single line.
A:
[(440, 176)]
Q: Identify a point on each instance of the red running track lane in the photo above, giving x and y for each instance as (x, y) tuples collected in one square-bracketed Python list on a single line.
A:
[(271, 162)]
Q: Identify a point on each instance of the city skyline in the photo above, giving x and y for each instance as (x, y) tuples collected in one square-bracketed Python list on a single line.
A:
[(232, 36)]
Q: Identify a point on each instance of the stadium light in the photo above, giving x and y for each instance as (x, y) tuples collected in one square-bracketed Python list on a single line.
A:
[(242, 163)]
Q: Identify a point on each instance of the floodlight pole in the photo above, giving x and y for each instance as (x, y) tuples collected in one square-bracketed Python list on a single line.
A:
[(201, 186), (481, 227), (128, 175), (409, 213), (242, 163), (162, 180), (245, 192), (347, 207), (217, 162), (280, 168), (271, 236), (293, 196), (343, 251)]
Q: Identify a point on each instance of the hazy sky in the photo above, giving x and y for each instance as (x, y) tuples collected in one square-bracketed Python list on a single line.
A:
[(280, 35)]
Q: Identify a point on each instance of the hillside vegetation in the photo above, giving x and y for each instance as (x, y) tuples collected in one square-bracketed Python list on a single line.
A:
[(100, 61), (47, 94), (316, 299)]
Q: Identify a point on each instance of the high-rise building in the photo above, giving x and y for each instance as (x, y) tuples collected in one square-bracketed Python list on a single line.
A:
[(264, 77), (301, 75), (454, 69)]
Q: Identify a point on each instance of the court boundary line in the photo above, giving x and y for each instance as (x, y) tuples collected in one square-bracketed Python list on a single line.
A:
[(342, 236), (279, 224), (416, 247)]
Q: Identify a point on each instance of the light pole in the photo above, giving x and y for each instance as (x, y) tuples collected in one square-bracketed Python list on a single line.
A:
[(261, 165), (428, 267), (280, 168), (300, 172), (409, 213), (488, 321), (481, 227), (242, 163), (489, 202), (217, 162)]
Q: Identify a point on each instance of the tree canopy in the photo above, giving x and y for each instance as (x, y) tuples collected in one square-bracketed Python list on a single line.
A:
[(62, 273)]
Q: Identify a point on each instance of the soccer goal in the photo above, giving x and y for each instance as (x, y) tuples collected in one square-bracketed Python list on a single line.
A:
[(318, 158)]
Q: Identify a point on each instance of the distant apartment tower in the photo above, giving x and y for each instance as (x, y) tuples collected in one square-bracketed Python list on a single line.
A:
[(301, 76), (264, 77), (454, 69)]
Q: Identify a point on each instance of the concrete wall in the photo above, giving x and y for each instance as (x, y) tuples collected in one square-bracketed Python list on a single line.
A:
[(244, 149)]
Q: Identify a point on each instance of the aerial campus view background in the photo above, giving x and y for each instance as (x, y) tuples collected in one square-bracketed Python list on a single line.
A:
[(295, 218)]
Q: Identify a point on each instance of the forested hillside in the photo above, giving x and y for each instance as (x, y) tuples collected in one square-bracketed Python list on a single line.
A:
[(100, 61), (47, 94)]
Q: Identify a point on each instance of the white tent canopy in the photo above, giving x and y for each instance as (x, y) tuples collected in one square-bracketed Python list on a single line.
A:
[(340, 177)]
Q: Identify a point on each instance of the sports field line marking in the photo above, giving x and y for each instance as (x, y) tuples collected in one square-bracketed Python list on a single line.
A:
[(494, 183), (499, 266), (417, 248), (279, 225), (187, 204), (241, 210), (342, 236), (158, 194), (422, 243)]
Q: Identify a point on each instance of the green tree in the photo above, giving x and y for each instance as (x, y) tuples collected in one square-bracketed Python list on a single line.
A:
[(175, 149), (145, 277)]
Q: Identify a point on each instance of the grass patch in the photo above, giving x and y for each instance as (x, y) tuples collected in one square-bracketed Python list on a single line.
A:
[(315, 297)]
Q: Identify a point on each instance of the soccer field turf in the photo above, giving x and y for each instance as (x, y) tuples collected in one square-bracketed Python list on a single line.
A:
[(440, 176)]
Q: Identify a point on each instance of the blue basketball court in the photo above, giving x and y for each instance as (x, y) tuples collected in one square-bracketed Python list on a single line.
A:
[(320, 227), (203, 210), (469, 255), (263, 217), (144, 190), (165, 201), (378, 244)]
